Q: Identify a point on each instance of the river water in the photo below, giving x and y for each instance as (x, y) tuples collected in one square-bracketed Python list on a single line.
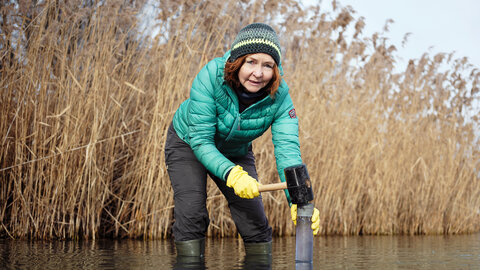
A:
[(332, 252)]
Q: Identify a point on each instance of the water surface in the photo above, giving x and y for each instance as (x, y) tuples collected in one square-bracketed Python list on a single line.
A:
[(359, 252)]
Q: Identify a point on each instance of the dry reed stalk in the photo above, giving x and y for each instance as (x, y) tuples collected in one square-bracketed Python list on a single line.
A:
[(85, 106)]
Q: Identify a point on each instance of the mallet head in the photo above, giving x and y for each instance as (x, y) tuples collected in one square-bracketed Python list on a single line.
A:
[(299, 184)]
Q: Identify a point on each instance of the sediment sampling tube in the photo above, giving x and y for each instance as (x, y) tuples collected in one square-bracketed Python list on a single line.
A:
[(304, 237)]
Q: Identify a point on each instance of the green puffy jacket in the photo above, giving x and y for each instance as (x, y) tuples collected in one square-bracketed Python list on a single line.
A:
[(210, 122)]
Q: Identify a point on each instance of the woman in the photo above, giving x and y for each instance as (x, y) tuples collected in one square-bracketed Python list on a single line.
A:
[(233, 100)]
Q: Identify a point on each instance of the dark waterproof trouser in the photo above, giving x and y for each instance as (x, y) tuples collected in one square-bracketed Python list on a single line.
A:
[(189, 181)]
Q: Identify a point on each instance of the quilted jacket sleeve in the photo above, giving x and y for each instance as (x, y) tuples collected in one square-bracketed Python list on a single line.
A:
[(285, 138), (202, 121)]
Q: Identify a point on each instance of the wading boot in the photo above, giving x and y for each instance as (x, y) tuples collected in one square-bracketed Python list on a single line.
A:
[(263, 248), (258, 255), (190, 254), (191, 248)]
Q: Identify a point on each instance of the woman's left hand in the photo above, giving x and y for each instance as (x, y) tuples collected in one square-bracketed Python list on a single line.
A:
[(315, 218)]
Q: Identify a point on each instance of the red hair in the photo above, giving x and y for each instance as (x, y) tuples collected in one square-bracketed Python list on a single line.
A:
[(231, 76)]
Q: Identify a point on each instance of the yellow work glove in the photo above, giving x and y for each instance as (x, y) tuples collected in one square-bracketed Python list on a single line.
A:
[(243, 184), (315, 218)]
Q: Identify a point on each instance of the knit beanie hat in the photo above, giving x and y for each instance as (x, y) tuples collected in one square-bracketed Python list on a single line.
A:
[(256, 38)]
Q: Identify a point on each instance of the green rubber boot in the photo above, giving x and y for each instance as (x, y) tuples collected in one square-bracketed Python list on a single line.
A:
[(190, 254), (264, 248), (258, 255), (191, 248)]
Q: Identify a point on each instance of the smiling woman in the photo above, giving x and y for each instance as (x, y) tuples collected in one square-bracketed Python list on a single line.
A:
[(212, 134)]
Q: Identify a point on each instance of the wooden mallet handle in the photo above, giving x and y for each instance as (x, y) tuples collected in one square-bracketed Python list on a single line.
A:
[(272, 187)]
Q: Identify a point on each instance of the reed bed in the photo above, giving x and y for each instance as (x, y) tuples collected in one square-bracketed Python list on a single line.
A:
[(86, 101)]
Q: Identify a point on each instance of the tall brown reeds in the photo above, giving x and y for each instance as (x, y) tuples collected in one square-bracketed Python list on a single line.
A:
[(86, 102)]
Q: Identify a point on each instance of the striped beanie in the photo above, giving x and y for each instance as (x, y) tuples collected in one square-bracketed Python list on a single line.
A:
[(256, 38)]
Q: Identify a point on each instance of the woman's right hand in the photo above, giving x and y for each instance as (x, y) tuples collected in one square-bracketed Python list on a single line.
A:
[(243, 184)]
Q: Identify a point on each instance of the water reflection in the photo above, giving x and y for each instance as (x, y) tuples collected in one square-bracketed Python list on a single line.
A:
[(99, 254), (367, 252), (186, 262), (250, 262), (400, 252)]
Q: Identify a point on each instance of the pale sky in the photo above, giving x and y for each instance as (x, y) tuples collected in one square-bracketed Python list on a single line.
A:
[(436, 25)]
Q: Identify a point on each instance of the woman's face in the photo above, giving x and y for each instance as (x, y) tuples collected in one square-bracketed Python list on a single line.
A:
[(256, 72)]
